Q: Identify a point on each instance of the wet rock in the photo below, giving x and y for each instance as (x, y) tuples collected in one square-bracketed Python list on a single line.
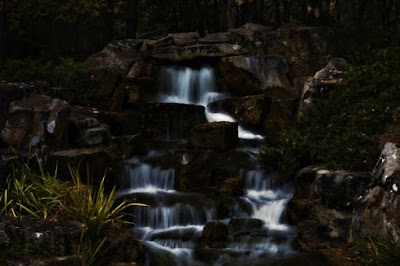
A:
[(123, 247), (215, 231), (217, 136), (378, 211), (140, 84), (129, 145), (202, 170), (108, 67), (245, 224), (37, 121), (177, 54), (257, 112), (123, 123), (58, 236), (323, 81), (249, 75), (231, 187)]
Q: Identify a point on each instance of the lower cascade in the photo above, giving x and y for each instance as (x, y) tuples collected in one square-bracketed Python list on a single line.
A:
[(172, 226)]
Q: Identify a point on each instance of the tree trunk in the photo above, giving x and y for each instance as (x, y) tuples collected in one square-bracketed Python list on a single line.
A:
[(108, 22), (277, 12), (3, 32), (132, 19), (223, 21)]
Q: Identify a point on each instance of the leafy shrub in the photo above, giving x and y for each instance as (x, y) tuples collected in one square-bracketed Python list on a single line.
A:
[(341, 130), (62, 72)]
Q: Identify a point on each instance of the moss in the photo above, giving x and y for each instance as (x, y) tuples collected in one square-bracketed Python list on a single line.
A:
[(341, 131)]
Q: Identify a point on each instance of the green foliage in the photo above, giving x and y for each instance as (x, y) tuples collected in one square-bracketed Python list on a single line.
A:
[(381, 252), (341, 130), (63, 72), (43, 195)]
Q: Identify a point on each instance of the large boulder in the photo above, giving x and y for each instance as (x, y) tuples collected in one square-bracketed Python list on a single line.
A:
[(305, 49), (108, 67), (249, 75), (323, 81), (37, 121), (378, 212), (322, 208)]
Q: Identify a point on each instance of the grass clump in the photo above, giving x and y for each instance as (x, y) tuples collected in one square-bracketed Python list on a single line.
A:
[(33, 192), (380, 251), (341, 130)]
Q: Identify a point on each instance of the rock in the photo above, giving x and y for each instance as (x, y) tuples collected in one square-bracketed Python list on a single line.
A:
[(231, 187), (37, 121), (108, 67), (168, 121), (322, 206), (218, 37), (245, 75), (129, 145), (257, 112), (184, 39), (57, 236), (215, 231), (304, 48), (378, 211), (178, 54), (97, 160), (252, 37), (10, 92), (6, 166), (334, 188), (123, 123), (94, 136), (164, 41), (185, 35), (217, 135), (323, 81), (123, 247), (245, 224), (201, 170)]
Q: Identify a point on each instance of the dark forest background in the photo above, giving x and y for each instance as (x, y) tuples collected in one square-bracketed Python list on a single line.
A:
[(76, 28)]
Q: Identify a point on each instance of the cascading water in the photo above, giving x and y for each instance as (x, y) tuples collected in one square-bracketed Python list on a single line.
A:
[(173, 224)]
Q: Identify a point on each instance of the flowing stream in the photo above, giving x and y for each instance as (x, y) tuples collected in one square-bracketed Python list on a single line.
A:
[(172, 226)]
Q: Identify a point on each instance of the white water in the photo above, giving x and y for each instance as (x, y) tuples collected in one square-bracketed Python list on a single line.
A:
[(171, 228), (192, 86)]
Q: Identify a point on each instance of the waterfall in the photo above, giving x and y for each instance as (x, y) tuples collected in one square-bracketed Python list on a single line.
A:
[(171, 227), (196, 86)]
